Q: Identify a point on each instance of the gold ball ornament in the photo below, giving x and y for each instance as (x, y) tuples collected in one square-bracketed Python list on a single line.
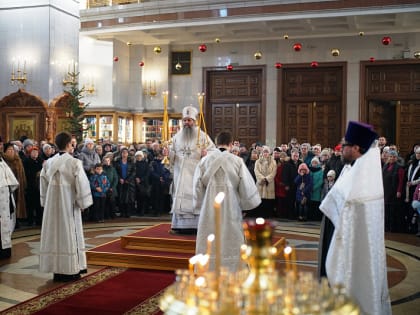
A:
[(217, 40), (417, 54), (258, 55), (285, 36), (335, 52), (157, 50), (178, 66), (361, 33)]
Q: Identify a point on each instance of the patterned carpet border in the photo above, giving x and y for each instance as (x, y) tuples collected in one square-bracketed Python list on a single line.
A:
[(149, 306), (56, 295)]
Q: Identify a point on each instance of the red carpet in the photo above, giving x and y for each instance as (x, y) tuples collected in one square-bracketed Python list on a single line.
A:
[(109, 291)]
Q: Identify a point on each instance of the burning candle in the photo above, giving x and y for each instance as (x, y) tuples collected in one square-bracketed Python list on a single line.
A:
[(294, 262), (287, 252), (218, 223), (210, 240), (192, 261)]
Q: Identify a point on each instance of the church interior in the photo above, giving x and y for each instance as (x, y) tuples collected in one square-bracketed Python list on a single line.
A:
[(267, 71)]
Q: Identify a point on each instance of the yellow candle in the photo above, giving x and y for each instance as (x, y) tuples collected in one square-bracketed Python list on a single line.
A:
[(210, 240), (192, 261), (287, 251), (294, 262), (218, 237)]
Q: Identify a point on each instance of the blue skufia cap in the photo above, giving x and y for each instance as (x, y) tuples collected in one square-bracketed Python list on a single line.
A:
[(360, 134)]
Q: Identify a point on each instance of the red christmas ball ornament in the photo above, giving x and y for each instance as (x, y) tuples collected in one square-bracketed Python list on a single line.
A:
[(229, 67), (116, 58), (297, 46), (386, 40), (141, 64), (371, 59), (202, 48), (314, 64), (278, 65)]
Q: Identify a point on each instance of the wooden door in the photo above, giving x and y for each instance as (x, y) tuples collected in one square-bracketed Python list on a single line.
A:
[(382, 115), (408, 125), (311, 107), (314, 122), (235, 102), (390, 91), (240, 119)]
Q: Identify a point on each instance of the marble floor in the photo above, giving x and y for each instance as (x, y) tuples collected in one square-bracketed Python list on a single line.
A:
[(20, 279)]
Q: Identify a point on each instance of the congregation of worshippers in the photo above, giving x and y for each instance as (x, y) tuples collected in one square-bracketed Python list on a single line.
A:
[(292, 179)]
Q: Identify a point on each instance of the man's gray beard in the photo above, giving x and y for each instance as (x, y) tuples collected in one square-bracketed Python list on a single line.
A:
[(189, 133)]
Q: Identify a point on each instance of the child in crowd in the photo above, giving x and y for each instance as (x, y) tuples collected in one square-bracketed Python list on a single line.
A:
[(160, 178), (100, 185), (328, 183), (303, 183)]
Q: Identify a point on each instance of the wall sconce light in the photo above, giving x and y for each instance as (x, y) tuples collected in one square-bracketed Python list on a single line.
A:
[(20, 76), (89, 88), (70, 78), (149, 88)]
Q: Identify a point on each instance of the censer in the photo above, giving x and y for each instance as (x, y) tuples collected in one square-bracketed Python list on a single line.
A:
[(257, 288)]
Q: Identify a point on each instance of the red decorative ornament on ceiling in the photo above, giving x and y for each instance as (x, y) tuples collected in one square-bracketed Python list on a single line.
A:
[(386, 40), (141, 64), (229, 67), (202, 48), (297, 46), (116, 58), (371, 59), (314, 64), (278, 65)]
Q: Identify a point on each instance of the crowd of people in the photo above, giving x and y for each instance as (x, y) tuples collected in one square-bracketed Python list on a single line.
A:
[(292, 179)]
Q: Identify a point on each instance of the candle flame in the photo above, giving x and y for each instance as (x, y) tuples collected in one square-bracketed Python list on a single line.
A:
[(210, 238), (219, 197), (260, 221)]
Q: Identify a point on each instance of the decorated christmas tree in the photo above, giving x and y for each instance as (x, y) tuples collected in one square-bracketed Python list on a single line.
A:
[(75, 108)]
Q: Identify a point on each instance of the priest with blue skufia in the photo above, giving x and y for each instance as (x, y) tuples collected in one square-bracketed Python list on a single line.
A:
[(352, 242)]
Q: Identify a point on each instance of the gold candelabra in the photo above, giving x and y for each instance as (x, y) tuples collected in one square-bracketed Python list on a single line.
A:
[(70, 78), (165, 127), (20, 76), (149, 88), (257, 288), (201, 123)]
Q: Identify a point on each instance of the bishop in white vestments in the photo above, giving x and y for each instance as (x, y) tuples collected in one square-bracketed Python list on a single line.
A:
[(186, 150)]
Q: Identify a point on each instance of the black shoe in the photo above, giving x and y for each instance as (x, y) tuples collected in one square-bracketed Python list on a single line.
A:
[(58, 277)]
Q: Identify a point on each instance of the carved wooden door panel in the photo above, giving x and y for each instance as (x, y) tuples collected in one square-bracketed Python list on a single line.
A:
[(314, 122), (241, 119), (408, 129), (382, 115), (312, 104)]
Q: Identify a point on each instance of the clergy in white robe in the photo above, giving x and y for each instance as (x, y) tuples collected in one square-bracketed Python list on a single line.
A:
[(184, 154), (222, 171), (8, 184), (356, 256), (64, 192)]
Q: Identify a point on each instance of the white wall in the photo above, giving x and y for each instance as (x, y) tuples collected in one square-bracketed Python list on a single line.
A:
[(129, 77), (45, 35)]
